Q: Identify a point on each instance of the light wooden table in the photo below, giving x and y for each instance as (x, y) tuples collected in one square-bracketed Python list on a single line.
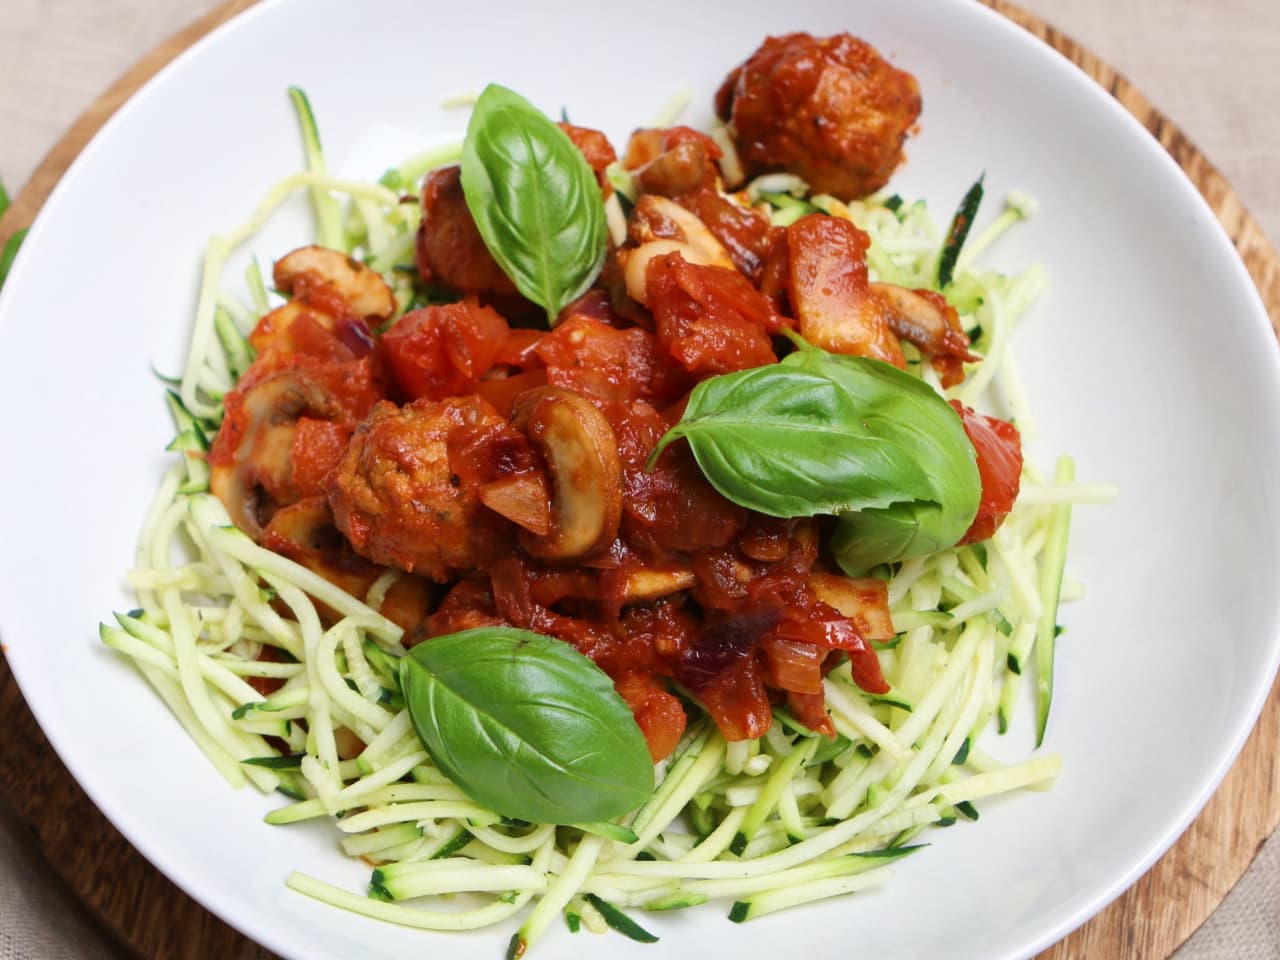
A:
[(1208, 64)]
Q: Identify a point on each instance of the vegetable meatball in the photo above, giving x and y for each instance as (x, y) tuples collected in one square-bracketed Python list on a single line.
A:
[(397, 497), (450, 250), (832, 111)]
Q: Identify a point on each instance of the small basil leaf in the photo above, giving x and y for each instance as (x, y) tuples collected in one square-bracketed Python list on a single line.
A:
[(534, 199), (526, 726), (10, 253)]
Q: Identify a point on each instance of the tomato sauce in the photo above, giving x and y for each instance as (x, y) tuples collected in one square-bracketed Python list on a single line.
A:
[(506, 469)]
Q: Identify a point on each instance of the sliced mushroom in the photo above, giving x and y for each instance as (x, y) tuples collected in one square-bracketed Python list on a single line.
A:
[(581, 454), (636, 264), (829, 290), (681, 169), (257, 477), (864, 600), (522, 498), (273, 328), (662, 226), (360, 286), (919, 320), (650, 583)]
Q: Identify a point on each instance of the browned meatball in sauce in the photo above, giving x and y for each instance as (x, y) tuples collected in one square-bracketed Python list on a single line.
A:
[(450, 249), (397, 497), (831, 111)]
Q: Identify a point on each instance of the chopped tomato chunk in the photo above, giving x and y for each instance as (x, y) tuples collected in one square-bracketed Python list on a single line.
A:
[(831, 293), (596, 148), (999, 449), (501, 391), (659, 714), (441, 351), (738, 702), (601, 362), (317, 447), (711, 319)]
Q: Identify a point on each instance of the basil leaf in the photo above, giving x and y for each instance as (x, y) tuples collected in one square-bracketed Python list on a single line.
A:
[(862, 540), (534, 199), (526, 726), (791, 443), (924, 426), (850, 436), (10, 252), (4, 199)]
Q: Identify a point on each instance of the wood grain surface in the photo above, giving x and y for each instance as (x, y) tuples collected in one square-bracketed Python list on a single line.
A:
[(151, 917)]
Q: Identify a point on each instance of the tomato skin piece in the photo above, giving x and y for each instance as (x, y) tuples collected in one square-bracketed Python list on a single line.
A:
[(811, 710), (658, 713), (502, 391), (442, 351), (830, 290), (738, 702), (710, 319), (595, 149), (519, 349), (317, 447), (646, 145), (600, 362), (999, 449)]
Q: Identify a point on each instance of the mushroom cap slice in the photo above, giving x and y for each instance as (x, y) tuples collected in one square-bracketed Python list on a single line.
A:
[(581, 454)]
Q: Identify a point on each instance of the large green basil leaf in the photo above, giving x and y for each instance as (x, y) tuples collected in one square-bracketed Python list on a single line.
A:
[(791, 443), (526, 726), (933, 434), (534, 199), (924, 426), (850, 436)]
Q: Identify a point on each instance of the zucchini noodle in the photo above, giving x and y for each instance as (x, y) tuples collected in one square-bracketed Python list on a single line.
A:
[(791, 818)]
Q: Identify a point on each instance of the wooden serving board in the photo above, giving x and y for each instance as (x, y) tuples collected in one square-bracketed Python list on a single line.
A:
[(154, 919)]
